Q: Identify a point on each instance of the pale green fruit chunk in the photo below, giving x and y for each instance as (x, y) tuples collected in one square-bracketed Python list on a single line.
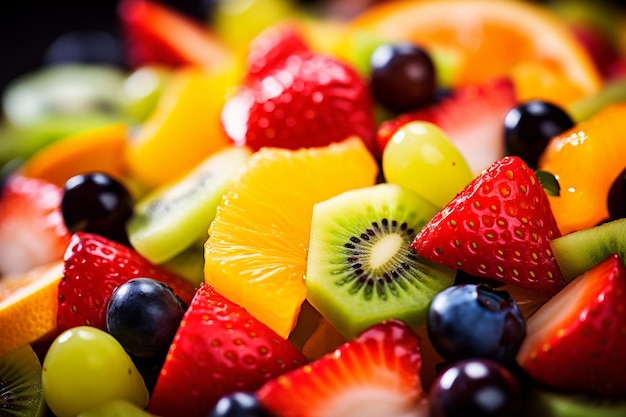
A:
[(421, 158), (86, 367), (116, 408)]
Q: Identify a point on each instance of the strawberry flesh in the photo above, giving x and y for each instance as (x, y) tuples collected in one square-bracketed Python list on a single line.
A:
[(472, 118), (577, 340), (500, 227), (376, 374), (94, 267), (218, 349), (32, 230)]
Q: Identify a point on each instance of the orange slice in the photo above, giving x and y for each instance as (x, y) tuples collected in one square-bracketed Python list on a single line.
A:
[(492, 39), (96, 149), (28, 305), (257, 247), (586, 160)]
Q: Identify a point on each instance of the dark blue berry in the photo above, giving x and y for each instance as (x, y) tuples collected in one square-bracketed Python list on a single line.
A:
[(475, 321), (472, 388), (239, 404), (143, 315), (402, 76), (616, 199), (529, 127), (97, 203), (87, 47)]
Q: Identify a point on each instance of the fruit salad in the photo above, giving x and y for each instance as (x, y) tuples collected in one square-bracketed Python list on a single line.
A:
[(329, 209)]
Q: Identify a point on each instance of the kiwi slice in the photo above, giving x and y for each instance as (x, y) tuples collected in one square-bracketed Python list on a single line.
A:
[(577, 252), (21, 393), (189, 264), (360, 270), (556, 404), (174, 217)]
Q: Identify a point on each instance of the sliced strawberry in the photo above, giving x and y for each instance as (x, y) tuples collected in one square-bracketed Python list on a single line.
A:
[(157, 34), (219, 349), (32, 230), (303, 100), (472, 117), (576, 341), (376, 374), (499, 226), (94, 267), (272, 47)]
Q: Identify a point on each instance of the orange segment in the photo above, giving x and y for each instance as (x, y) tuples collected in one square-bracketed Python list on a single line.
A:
[(256, 252), (96, 149), (28, 305), (586, 160), (491, 39)]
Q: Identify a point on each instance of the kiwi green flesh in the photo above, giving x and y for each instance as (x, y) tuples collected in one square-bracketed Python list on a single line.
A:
[(360, 270), (189, 264), (172, 218), (21, 393), (579, 251), (545, 403)]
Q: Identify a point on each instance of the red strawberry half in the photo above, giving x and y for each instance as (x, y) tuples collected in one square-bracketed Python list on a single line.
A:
[(499, 226), (219, 349), (472, 117), (377, 374), (576, 341), (296, 98), (94, 267), (32, 230)]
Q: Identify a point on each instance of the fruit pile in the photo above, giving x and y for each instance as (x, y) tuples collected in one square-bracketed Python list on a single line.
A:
[(416, 210)]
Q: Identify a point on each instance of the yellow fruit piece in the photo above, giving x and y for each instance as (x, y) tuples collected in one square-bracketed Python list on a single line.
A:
[(28, 305), (183, 130), (491, 39), (586, 160), (95, 149), (257, 247)]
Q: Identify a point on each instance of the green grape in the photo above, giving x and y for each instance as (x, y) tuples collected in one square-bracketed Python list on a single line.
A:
[(85, 367), (420, 157), (116, 408), (142, 90)]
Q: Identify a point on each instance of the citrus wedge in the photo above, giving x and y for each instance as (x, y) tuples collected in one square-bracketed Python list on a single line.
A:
[(28, 305), (256, 251), (492, 39)]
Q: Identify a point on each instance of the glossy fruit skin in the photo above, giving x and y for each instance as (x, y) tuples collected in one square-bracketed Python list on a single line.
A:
[(94, 267), (97, 203), (402, 76), (529, 127), (218, 349), (475, 321), (499, 226), (239, 404), (86, 366), (143, 315), (474, 387)]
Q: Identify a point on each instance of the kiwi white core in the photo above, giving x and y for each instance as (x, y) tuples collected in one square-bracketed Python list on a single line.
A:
[(385, 249)]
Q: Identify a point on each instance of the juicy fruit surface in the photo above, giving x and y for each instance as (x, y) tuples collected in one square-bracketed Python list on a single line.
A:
[(499, 226), (588, 314), (22, 391), (218, 349), (360, 270), (376, 374), (264, 221), (586, 160), (543, 42)]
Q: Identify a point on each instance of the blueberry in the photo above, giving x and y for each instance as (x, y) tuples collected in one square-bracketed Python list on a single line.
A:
[(474, 387), (529, 127), (143, 314), (475, 321), (88, 47), (97, 203), (239, 404), (402, 76)]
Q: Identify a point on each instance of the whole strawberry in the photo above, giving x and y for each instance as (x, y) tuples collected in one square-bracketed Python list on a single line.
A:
[(499, 226), (295, 98), (219, 349), (94, 267), (577, 340)]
